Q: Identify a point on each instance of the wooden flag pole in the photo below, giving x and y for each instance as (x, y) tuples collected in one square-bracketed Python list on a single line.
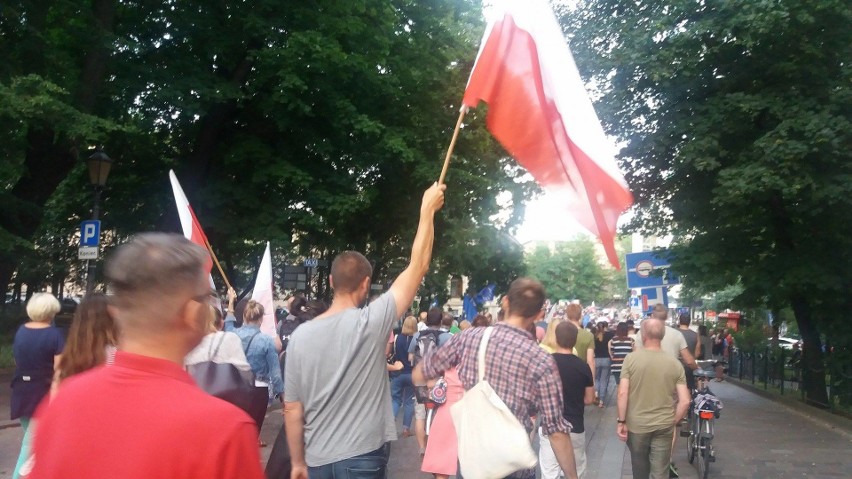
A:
[(452, 145), (216, 260)]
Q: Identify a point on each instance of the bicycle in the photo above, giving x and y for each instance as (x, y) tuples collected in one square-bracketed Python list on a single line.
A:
[(703, 410)]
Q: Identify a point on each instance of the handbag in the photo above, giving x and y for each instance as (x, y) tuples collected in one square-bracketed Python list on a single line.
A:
[(492, 443), (224, 380)]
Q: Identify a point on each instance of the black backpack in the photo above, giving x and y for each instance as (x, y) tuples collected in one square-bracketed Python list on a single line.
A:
[(426, 342), (286, 329)]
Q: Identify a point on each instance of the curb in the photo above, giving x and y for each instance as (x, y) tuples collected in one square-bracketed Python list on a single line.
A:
[(829, 420)]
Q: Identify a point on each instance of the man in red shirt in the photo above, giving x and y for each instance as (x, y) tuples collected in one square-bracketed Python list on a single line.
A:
[(144, 417)]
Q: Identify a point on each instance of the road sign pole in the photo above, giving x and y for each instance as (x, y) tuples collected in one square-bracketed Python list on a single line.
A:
[(91, 265)]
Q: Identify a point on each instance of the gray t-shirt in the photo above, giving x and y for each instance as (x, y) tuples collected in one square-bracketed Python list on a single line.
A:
[(691, 338), (336, 369)]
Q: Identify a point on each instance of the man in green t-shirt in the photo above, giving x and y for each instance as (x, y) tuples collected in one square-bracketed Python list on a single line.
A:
[(646, 417), (585, 347)]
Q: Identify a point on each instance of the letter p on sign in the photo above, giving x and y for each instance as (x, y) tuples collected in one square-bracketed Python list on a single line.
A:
[(90, 233)]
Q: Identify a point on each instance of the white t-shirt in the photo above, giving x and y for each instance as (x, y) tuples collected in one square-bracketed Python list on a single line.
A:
[(672, 342), (230, 351)]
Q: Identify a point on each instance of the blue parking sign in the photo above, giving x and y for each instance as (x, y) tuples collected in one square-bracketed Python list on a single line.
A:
[(90, 233)]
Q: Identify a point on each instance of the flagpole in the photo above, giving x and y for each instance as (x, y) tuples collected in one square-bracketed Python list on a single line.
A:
[(216, 260), (452, 145)]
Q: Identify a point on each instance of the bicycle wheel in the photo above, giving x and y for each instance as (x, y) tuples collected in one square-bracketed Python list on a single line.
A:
[(690, 443), (705, 458)]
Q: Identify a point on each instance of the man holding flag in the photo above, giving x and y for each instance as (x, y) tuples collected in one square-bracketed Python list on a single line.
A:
[(337, 409)]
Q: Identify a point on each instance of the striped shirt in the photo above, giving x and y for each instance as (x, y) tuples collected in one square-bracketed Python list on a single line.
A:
[(620, 347)]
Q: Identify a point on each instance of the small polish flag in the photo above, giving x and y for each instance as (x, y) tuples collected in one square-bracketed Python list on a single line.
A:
[(191, 227)]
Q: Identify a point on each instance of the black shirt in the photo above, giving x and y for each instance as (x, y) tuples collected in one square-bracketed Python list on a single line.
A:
[(576, 377), (602, 347)]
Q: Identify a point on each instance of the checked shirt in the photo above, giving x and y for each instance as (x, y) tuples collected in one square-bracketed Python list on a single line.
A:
[(523, 375)]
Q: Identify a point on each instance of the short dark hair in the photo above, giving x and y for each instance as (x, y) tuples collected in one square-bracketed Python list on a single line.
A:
[(684, 319), (566, 335), (447, 319), (621, 330), (480, 320), (526, 297), (629, 323), (434, 316), (348, 270)]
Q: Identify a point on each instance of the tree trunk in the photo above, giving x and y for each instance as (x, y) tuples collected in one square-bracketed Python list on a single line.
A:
[(813, 366)]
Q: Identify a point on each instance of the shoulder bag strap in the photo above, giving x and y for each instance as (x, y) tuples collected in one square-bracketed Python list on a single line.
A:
[(249, 343), (221, 335), (480, 355)]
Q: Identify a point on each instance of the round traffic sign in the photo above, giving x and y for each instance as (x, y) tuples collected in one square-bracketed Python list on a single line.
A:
[(644, 268)]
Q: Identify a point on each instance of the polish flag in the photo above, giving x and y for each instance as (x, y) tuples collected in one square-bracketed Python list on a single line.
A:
[(262, 293), (191, 227), (540, 112)]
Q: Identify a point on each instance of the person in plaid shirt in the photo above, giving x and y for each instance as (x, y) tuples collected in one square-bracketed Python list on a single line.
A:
[(523, 375)]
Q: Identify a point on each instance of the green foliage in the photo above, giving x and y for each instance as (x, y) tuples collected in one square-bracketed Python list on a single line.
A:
[(315, 126), (572, 270), (736, 125), (752, 336)]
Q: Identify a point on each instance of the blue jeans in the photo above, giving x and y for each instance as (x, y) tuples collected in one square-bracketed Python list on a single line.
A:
[(402, 393), (602, 367), (372, 465)]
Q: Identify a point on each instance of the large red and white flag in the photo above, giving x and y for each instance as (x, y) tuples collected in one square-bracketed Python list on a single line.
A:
[(262, 293), (540, 112), (188, 222)]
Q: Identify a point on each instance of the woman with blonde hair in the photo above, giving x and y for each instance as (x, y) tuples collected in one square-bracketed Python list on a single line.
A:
[(37, 349), (263, 358), (402, 389), (549, 341)]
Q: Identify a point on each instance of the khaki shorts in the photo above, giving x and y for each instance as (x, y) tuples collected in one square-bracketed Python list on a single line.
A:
[(420, 411)]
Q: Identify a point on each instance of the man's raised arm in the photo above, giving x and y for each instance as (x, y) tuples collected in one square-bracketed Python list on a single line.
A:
[(406, 285)]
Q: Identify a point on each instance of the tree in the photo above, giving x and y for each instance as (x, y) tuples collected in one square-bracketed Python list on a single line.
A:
[(572, 270), (735, 118), (315, 125)]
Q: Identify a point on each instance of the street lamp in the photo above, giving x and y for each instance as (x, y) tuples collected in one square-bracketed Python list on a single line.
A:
[(99, 165)]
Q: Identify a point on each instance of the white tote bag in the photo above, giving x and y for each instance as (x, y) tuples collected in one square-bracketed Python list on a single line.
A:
[(492, 443)]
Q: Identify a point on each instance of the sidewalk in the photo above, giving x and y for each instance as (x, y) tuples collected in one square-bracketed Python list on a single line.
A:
[(756, 438)]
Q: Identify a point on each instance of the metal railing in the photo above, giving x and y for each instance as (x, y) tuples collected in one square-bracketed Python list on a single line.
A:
[(783, 371)]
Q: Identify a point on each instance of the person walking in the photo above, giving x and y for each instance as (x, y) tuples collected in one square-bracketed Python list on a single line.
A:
[(37, 349), (619, 347), (522, 374), (442, 451), (424, 341), (402, 390), (577, 391), (603, 362), (692, 344), (706, 343), (585, 346), (646, 417), (143, 416), (263, 358), (674, 344), (337, 408), (91, 339)]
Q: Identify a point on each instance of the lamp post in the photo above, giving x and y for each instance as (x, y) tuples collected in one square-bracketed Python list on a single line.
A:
[(99, 165)]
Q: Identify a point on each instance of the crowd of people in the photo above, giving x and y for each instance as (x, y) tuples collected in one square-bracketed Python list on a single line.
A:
[(158, 379)]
